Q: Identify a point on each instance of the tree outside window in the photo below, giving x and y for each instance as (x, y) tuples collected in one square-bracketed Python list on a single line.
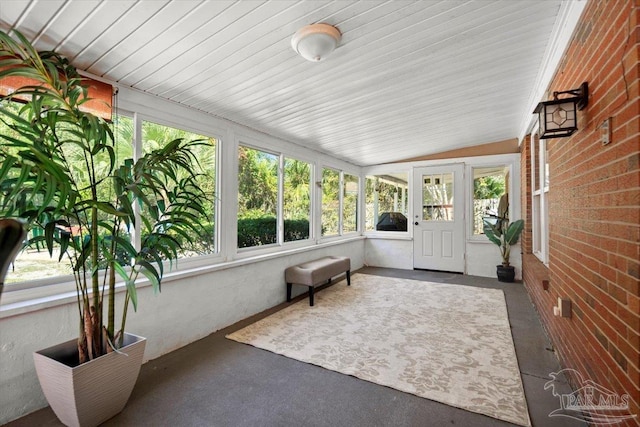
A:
[(489, 187), (330, 202), (350, 204), (297, 200)]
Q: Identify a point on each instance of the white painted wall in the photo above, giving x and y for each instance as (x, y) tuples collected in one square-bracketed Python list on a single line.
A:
[(483, 257), (390, 253), (187, 309)]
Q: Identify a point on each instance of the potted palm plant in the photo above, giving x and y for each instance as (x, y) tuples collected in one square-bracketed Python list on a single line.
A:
[(60, 171), (504, 234)]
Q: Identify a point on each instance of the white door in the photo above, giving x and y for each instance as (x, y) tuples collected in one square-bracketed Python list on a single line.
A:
[(438, 218)]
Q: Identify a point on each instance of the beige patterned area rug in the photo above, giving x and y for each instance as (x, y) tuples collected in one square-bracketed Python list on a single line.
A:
[(448, 343)]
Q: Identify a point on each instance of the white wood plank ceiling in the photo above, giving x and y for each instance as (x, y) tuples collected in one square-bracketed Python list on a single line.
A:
[(409, 78)]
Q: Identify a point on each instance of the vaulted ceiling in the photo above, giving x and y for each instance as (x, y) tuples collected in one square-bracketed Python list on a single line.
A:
[(409, 78)]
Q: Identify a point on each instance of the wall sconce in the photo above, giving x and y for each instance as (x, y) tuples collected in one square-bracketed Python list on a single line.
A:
[(314, 42), (558, 118)]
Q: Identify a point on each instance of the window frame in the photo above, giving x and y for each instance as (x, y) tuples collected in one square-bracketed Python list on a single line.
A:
[(138, 120), (407, 170), (343, 193), (281, 183), (539, 197), (341, 189), (280, 242), (279, 199), (509, 166)]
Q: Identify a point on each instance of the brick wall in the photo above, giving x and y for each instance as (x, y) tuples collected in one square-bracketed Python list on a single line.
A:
[(594, 207)]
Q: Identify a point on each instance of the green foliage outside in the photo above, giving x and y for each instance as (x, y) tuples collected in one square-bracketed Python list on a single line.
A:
[(488, 187), (487, 191), (258, 198), (156, 136), (259, 231), (330, 202)]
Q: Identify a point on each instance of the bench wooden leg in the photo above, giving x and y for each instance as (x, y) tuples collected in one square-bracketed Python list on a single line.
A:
[(348, 278), (311, 296), (289, 285)]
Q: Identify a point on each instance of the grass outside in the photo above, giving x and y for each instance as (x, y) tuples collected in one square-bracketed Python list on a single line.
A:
[(34, 265)]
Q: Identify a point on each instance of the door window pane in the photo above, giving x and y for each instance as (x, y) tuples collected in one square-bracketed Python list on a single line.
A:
[(437, 197), (257, 197)]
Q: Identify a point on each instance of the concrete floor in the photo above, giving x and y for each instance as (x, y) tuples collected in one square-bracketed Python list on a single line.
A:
[(219, 382)]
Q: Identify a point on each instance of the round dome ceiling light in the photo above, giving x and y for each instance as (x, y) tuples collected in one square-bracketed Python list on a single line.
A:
[(314, 42)]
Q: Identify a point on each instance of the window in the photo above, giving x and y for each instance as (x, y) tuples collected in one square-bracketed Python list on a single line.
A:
[(156, 136), (490, 196), (339, 202), (273, 207), (539, 197), (386, 198), (297, 200), (350, 204), (35, 262), (330, 202), (257, 197)]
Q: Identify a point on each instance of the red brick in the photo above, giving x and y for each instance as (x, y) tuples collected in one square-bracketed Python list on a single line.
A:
[(629, 283), (630, 318), (594, 205)]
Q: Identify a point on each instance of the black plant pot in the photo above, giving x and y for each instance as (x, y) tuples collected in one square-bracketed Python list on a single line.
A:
[(506, 274)]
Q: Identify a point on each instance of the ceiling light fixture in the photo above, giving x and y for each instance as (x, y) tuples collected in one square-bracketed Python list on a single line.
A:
[(314, 42), (558, 118)]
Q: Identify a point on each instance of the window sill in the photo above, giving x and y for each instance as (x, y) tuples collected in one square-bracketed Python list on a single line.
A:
[(390, 235)]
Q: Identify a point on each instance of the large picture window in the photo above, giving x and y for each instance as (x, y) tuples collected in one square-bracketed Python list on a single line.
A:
[(35, 263)]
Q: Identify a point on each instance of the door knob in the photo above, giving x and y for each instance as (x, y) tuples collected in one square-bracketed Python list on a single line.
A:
[(416, 223)]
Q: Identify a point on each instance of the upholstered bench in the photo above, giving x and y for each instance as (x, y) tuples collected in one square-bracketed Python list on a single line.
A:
[(314, 273)]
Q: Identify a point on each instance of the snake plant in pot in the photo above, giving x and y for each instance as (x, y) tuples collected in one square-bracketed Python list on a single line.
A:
[(60, 171), (504, 234)]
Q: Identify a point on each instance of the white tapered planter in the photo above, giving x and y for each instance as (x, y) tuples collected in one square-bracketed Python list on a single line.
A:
[(89, 394)]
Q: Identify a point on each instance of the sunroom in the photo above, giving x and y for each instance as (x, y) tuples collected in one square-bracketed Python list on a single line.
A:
[(393, 150)]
